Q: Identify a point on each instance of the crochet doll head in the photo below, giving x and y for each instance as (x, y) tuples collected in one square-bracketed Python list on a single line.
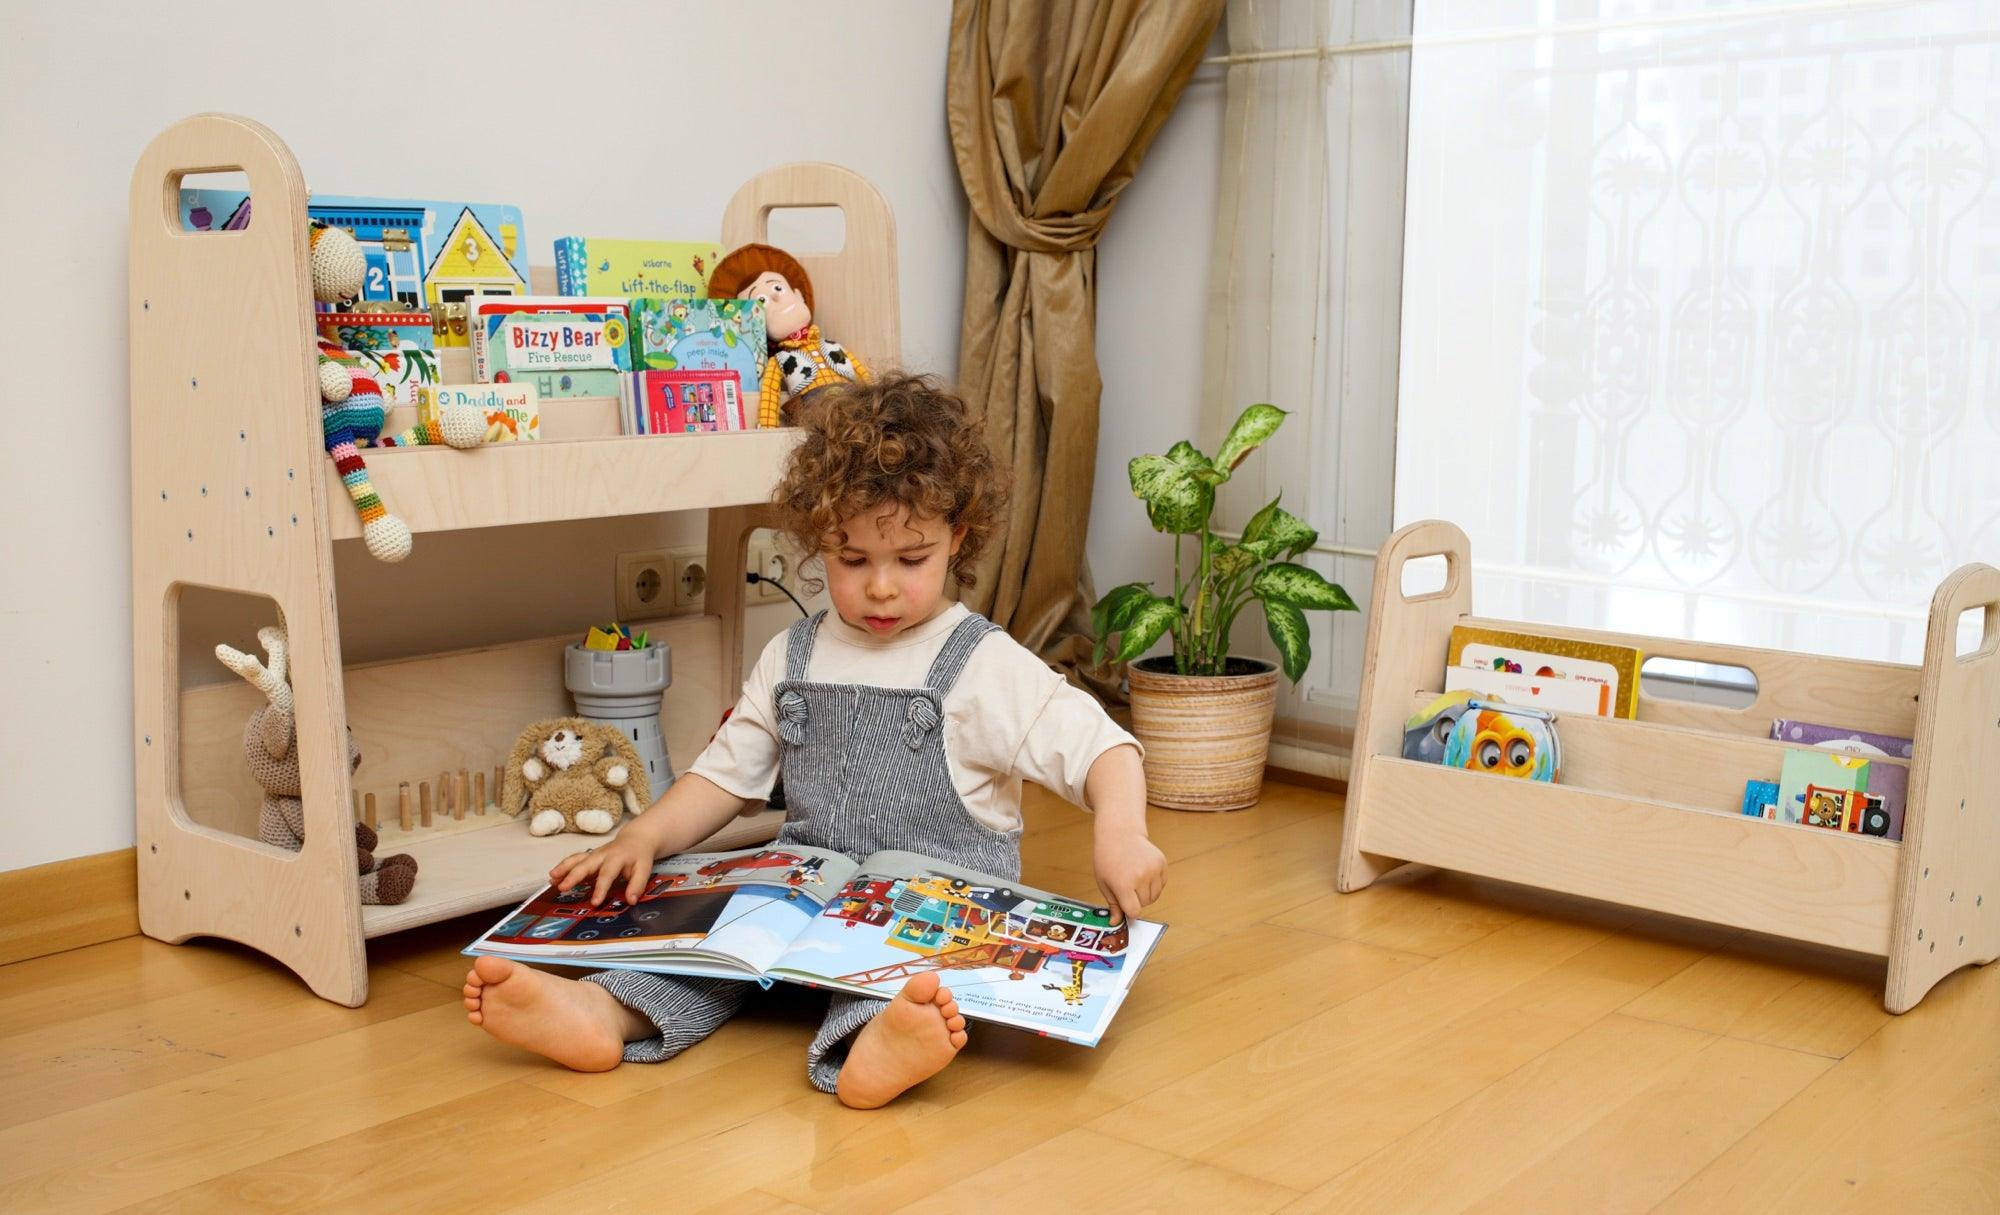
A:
[(770, 275)]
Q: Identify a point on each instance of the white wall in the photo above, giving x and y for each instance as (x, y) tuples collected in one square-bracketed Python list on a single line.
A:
[(84, 86), (1152, 292)]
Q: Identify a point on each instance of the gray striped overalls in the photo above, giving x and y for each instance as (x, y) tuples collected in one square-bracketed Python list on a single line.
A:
[(865, 770)]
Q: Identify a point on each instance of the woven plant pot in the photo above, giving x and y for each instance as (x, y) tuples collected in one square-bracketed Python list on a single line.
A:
[(1206, 736)]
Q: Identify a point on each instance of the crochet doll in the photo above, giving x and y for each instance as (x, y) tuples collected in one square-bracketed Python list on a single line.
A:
[(802, 359), (351, 407), (270, 743)]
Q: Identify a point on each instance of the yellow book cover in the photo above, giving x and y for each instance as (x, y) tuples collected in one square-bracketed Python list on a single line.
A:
[(1536, 654)]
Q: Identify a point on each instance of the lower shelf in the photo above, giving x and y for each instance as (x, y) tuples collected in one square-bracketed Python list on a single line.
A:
[(1796, 882), (493, 866)]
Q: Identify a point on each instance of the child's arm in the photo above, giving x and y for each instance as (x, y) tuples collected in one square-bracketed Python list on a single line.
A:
[(692, 809), (1131, 870)]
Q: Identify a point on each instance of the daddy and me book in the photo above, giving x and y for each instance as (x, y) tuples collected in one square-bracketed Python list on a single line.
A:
[(1011, 954)]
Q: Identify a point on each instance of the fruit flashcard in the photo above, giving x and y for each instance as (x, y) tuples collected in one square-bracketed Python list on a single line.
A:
[(1551, 695), (1552, 657)]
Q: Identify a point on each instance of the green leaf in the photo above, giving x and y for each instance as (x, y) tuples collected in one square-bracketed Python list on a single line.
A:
[(1300, 587), (1257, 423), (1177, 499), (729, 338), (1233, 560), (1260, 523), (1148, 624), (1289, 534), (1114, 612), (1289, 632)]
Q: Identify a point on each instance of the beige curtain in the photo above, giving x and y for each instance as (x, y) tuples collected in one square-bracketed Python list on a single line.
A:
[(1051, 105)]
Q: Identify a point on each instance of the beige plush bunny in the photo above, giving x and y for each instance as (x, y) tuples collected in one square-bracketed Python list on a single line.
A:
[(574, 775)]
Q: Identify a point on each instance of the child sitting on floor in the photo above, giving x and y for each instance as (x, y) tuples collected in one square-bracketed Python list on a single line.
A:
[(894, 487)]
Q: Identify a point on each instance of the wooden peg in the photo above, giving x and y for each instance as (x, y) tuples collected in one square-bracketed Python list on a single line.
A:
[(356, 795), (444, 793), (479, 793), (496, 791), (464, 794), (403, 804), (368, 812), (424, 801)]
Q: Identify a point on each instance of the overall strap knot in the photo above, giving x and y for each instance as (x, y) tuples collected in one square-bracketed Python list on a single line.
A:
[(792, 715), (918, 721)]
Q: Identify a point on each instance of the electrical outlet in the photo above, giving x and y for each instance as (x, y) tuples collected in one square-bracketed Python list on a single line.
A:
[(661, 582), (773, 561), (690, 584), (643, 587)]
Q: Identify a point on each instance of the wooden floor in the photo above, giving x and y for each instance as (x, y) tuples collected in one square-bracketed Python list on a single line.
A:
[(1433, 1043)]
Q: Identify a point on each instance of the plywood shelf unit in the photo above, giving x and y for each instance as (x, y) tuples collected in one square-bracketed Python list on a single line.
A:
[(1646, 814), (232, 489)]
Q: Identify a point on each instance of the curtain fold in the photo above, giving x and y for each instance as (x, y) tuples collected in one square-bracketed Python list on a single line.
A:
[(1051, 106)]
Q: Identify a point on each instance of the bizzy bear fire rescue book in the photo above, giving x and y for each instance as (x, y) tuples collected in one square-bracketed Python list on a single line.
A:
[(1011, 954)]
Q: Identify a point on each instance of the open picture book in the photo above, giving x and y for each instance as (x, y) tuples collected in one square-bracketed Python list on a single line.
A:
[(1010, 954)]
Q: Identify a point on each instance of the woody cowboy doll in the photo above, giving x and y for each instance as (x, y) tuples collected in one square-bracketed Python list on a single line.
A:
[(802, 359)]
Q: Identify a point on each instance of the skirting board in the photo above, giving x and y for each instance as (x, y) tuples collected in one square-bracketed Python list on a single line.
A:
[(68, 904)]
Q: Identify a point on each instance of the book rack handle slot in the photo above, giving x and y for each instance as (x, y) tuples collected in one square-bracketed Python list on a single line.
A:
[(1973, 588), (1430, 538), (221, 143)]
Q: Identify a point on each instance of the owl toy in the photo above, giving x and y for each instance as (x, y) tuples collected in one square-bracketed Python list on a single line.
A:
[(1505, 739)]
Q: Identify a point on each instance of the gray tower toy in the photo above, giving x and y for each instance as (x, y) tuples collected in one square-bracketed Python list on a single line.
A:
[(623, 689)]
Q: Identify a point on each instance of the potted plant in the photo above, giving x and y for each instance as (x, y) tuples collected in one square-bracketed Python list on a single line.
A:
[(1202, 713)]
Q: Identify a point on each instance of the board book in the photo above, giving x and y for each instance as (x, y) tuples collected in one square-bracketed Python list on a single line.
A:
[(669, 269), (1546, 657), (1012, 955)]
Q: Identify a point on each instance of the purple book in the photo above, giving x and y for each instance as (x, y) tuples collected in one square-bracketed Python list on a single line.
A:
[(1890, 782)]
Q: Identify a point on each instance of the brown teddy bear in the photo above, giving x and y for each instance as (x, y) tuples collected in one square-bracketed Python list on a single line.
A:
[(574, 775)]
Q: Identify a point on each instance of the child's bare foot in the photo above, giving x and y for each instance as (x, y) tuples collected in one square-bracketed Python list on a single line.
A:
[(579, 1025), (906, 1044)]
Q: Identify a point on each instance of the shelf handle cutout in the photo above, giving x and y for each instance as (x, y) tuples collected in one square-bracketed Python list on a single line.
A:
[(1427, 561)]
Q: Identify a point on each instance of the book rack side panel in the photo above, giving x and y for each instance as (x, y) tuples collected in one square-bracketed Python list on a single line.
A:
[(1948, 897), (855, 290), (227, 492), (1796, 882), (1407, 639)]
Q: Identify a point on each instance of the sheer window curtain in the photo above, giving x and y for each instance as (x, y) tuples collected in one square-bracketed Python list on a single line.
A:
[(1305, 287), (1701, 325)]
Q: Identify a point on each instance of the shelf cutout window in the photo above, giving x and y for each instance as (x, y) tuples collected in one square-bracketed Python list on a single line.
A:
[(1425, 576), (808, 231), (1974, 635), (214, 202), (1706, 683), (217, 704)]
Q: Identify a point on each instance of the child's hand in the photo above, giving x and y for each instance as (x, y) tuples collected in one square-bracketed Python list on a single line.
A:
[(629, 854), (1131, 871)]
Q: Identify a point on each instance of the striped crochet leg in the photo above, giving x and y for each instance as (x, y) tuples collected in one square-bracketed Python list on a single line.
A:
[(386, 536), (685, 1010), (844, 1019)]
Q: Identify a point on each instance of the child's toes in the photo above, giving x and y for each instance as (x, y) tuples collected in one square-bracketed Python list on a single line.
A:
[(954, 1024), (958, 1039)]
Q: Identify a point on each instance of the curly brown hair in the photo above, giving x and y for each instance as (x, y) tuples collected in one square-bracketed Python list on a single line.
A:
[(904, 440)]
